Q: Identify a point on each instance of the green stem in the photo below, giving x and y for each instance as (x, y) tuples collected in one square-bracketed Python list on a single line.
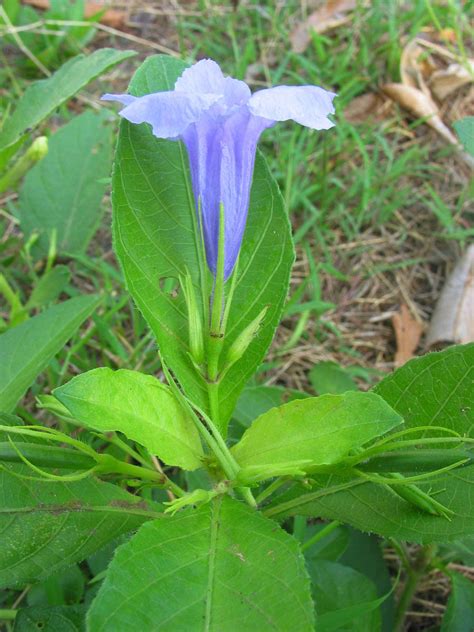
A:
[(230, 295), (207, 436), (329, 528), (415, 574), (268, 491), (7, 614), (218, 299), (215, 331), (295, 503), (116, 440), (203, 270), (108, 464), (46, 456)]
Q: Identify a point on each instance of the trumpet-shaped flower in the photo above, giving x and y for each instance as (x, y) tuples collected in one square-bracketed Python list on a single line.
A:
[(220, 122)]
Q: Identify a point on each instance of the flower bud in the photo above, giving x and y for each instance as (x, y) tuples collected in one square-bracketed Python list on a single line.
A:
[(241, 343), (196, 339)]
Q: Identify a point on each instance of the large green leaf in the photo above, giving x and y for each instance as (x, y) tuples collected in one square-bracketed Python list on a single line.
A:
[(459, 615), (138, 405), (57, 619), (321, 430), (155, 240), (345, 599), (465, 130), (45, 526), (329, 377), (432, 390), (27, 349), (364, 554), (68, 200), (44, 96), (220, 568)]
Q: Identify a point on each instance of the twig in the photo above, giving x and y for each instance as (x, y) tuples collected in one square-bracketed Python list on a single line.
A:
[(12, 31)]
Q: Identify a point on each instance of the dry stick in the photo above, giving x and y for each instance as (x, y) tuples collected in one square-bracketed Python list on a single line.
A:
[(35, 26), (12, 31), (116, 32)]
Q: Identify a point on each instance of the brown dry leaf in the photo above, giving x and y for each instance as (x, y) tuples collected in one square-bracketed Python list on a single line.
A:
[(112, 17), (407, 333), (329, 16), (415, 66), (444, 82), (365, 106), (453, 318), (422, 106)]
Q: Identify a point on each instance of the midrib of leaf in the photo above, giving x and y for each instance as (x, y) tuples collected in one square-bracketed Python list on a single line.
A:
[(307, 498), (57, 509), (145, 420), (74, 206), (215, 514)]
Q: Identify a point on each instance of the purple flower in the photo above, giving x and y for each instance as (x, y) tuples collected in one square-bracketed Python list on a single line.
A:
[(220, 122)]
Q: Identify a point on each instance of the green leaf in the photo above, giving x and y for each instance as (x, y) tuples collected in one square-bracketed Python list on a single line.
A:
[(140, 406), (459, 615), (256, 400), (49, 287), (60, 589), (58, 619), (465, 130), (433, 390), (44, 96), (329, 377), (331, 546), (364, 554), (461, 551), (345, 599), (154, 212), (27, 349), (322, 430), (219, 568), (68, 200), (46, 526)]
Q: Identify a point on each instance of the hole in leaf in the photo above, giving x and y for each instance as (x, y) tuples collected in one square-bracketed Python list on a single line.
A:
[(169, 286)]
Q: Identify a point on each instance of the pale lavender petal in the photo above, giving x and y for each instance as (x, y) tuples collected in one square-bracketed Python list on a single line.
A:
[(307, 105), (205, 77), (221, 158), (126, 99), (169, 113)]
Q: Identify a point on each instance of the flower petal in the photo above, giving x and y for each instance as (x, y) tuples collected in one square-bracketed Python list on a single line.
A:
[(169, 113), (126, 99), (206, 77), (202, 78), (307, 105)]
